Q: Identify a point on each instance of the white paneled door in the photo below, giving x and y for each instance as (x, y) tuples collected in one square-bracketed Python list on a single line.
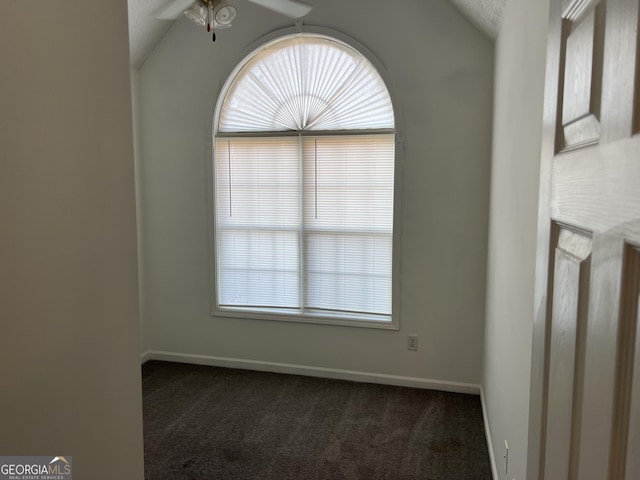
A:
[(585, 392)]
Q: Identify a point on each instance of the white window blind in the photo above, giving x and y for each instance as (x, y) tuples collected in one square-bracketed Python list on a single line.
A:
[(348, 223), (306, 82), (309, 233), (304, 183), (258, 217)]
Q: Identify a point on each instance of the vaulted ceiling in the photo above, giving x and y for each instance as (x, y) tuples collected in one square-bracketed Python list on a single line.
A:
[(145, 31), (484, 14)]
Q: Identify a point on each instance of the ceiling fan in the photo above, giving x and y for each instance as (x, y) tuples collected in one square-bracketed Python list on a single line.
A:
[(218, 14)]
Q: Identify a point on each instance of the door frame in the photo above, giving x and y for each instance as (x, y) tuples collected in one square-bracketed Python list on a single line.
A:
[(545, 236)]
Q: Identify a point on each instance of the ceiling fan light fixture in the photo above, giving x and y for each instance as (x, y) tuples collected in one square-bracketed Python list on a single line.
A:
[(197, 13), (223, 14)]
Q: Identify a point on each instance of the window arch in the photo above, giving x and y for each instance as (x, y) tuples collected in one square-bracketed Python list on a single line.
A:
[(304, 159), (306, 82)]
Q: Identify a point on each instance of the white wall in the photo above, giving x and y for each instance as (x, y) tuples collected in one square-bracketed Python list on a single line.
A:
[(519, 82), (69, 361), (137, 161), (441, 73)]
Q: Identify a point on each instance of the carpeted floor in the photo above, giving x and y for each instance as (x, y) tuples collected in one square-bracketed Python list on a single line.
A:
[(208, 423)]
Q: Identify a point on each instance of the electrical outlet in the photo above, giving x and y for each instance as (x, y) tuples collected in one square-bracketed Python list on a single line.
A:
[(412, 342), (506, 458)]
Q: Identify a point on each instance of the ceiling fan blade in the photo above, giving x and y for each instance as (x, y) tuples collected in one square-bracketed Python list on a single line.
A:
[(172, 9), (290, 8)]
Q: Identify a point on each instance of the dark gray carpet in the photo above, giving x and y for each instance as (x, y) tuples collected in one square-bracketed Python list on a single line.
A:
[(208, 423)]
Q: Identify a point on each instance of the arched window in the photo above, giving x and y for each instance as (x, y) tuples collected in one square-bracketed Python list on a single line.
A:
[(304, 156)]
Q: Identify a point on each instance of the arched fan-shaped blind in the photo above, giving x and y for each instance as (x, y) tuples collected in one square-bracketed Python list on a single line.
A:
[(306, 82)]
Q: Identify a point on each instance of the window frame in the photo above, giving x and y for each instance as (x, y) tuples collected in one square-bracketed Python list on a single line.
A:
[(385, 322)]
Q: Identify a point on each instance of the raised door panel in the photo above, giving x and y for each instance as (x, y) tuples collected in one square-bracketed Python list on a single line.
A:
[(620, 100), (600, 357), (566, 351), (581, 85), (625, 445)]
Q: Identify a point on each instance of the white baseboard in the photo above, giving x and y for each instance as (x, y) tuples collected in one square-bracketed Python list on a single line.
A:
[(355, 376), (487, 432), (145, 357)]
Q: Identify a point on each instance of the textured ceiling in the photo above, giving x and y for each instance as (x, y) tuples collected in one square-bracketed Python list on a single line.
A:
[(145, 31), (484, 14)]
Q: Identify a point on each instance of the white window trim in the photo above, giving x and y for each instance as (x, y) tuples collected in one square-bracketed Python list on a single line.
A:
[(309, 316)]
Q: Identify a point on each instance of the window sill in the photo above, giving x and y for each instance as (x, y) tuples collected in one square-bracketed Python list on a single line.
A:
[(317, 317)]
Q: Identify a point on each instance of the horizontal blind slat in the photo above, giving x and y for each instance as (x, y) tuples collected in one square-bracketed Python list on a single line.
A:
[(257, 221), (347, 223)]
